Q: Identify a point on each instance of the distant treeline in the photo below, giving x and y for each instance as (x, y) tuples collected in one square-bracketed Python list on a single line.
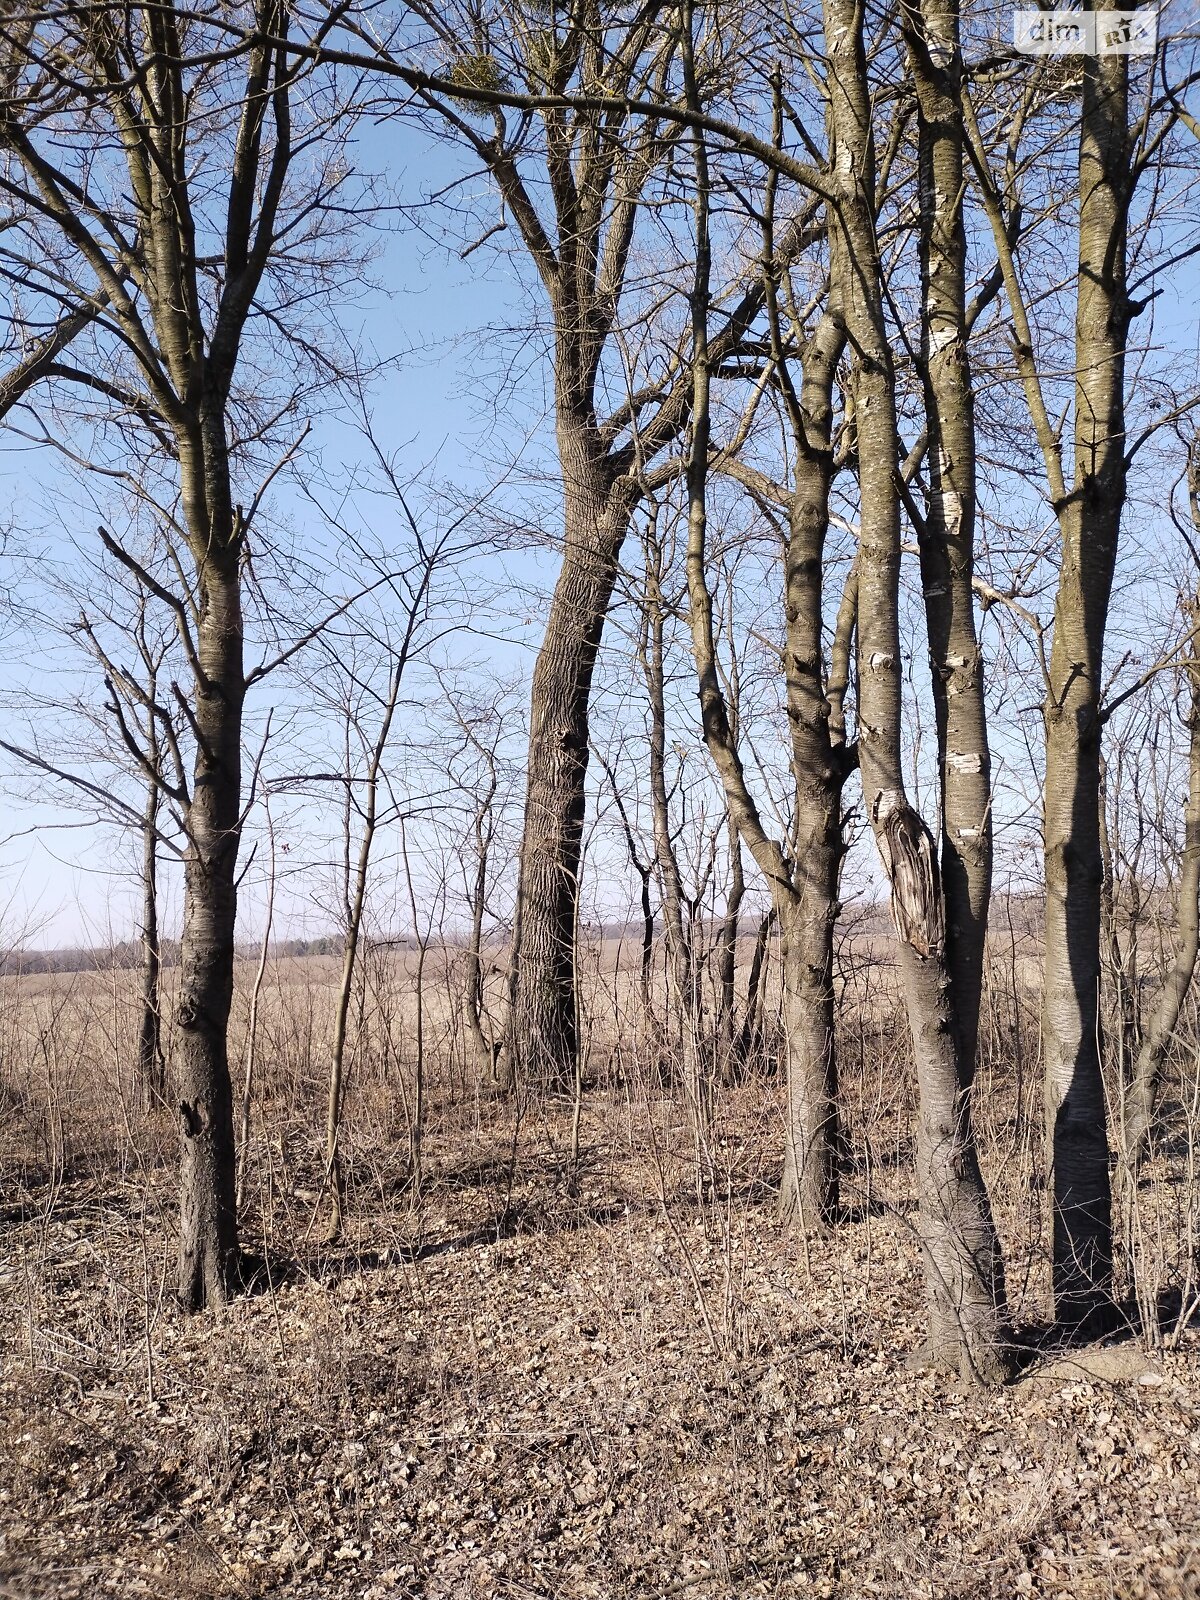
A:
[(1022, 911), (119, 957)]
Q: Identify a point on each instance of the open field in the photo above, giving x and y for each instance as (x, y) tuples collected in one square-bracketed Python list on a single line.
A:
[(560, 1372)]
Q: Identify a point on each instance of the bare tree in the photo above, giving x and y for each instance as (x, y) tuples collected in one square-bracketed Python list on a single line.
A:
[(593, 140), (803, 884), (131, 713), (476, 773), (198, 220), (1114, 152), (964, 1272), (946, 530), (370, 652), (1140, 1096)]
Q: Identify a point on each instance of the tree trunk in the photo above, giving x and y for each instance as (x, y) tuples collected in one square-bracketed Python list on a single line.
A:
[(1121, 972), (481, 1045), (964, 1268), (681, 982), (151, 1067), (543, 1029), (1075, 1111), (947, 538), (751, 1036), (355, 907), (726, 1031), (809, 1190), (208, 1245), (808, 914), (1089, 525), (964, 1288), (803, 891)]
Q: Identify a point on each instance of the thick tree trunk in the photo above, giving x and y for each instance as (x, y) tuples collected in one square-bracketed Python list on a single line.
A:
[(208, 1246), (808, 914), (1075, 1108), (964, 1268), (543, 1032), (809, 1191), (1089, 522), (965, 1290), (948, 537)]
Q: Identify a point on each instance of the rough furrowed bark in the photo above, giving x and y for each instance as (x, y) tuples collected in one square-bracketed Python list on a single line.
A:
[(1089, 522), (1075, 1105), (543, 1033), (964, 1266), (965, 1290), (808, 915), (209, 1261), (948, 535), (809, 1189)]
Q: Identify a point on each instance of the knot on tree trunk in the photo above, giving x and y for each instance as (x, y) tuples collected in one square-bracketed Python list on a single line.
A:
[(194, 1121), (910, 861)]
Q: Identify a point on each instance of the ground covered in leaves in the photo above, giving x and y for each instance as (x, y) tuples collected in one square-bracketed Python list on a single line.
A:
[(554, 1379)]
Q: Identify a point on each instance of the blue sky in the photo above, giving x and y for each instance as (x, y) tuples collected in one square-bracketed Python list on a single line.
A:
[(61, 883)]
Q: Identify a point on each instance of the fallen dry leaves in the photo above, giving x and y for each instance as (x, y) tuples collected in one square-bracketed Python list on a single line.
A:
[(602, 1396)]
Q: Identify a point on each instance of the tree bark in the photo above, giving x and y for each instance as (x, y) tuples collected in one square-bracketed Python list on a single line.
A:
[(726, 1031), (1089, 522), (543, 1032), (209, 1263), (964, 1286), (151, 1068), (947, 536), (808, 915), (809, 1187)]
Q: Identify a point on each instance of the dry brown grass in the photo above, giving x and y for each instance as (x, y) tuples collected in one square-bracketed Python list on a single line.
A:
[(546, 1377)]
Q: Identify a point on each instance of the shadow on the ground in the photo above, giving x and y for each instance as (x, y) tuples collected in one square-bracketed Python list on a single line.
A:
[(556, 1210), (333, 1263), (1037, 1345), (77, 1197)]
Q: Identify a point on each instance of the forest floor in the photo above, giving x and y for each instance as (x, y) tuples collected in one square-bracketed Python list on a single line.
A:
[(555, 1380)]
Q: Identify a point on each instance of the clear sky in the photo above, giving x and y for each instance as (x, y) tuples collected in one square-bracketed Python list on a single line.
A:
[(62, 879), (65, 881)]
